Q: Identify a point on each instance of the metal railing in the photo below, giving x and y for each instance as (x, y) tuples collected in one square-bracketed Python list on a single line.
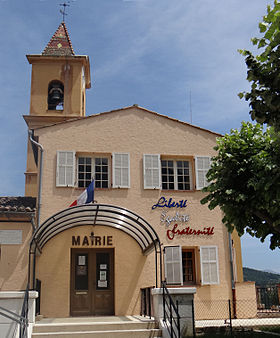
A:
[(268, 298), (171, 315), (22, 319), (218, 316), (24, 315), (38, 300), (146, 302)]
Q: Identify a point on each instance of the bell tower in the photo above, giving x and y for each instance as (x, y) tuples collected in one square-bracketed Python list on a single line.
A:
[(58, 91), (59, 81)]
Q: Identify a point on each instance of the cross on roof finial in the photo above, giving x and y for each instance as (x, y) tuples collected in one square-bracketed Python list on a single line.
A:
[(63, 11)]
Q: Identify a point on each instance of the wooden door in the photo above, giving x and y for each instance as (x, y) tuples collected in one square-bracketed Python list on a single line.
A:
[(92, 282)]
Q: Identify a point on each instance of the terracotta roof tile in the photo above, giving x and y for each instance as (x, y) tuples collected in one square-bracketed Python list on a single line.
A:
[(60, 43), (130, 107), (17, 204)]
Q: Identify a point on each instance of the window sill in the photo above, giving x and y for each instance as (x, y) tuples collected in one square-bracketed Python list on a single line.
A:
[(169, 190), (175, 291), (80, 188), (183, 286)]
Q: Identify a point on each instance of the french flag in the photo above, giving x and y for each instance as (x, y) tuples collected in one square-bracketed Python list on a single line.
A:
[(86, 196)]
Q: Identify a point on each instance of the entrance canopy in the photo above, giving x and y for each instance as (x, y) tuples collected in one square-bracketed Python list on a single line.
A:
[(98, 214)]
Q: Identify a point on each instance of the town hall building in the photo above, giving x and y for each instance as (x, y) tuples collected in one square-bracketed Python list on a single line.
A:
[(145, 223)]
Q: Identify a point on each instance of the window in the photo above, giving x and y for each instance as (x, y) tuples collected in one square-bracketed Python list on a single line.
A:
[(97, 168), (65, 170), (101, 172), (84, 171), (188, 265), (176, 175), (209, 265), (180, 265), (202, 165), (170, 174), (173, 264), (121, 175), (151, 166), (92, 167)]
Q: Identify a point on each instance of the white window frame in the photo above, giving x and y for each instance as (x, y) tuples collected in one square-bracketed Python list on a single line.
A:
[(148, 171), (122, 169), (176, 173), (171, 263), (64, 166), (209, 262), (93, 157), (201, 171)]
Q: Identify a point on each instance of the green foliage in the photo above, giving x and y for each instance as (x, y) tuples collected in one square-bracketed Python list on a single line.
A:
[(264, 71), (245, 182), (262, 278), (245, 175)]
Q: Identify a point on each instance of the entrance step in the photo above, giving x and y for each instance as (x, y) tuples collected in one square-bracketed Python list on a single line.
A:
[(103, 327)]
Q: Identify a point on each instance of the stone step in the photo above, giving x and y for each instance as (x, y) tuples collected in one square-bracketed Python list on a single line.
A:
[(103, 327), (144, 333), (89, 326)]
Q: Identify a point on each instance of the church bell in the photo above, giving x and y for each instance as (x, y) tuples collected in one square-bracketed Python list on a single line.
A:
[(55, 95)]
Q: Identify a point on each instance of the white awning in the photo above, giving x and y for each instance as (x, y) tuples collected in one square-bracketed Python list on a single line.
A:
[(98, 214)]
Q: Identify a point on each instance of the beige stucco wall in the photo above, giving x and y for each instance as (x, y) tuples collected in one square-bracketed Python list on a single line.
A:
[(14, 258), (137, 132), (238, 265), (133, 131), (31, 188), (69, 72), (132, 271), (246, 300)]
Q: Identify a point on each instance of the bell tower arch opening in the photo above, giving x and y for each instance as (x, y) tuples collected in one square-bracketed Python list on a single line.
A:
[(55, 95)]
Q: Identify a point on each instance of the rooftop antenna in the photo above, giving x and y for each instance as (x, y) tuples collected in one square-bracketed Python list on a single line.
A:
[(63, 11)]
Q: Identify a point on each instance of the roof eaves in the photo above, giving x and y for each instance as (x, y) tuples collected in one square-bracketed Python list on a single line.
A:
[(130, 107), (18, 205)]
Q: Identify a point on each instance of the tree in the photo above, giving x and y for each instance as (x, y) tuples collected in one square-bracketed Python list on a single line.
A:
[(264, 71), (245, 175), (245, 181)]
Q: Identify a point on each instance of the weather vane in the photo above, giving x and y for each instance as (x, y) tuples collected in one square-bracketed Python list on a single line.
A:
[(63, 11)]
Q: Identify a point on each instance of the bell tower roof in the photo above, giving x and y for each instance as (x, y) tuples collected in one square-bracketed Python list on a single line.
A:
[(60, 43)]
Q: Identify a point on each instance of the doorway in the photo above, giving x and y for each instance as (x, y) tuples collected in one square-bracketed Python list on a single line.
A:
[(92, 282)]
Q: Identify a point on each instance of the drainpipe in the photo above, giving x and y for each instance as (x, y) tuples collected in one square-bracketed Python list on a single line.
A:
[(38, 145), (33, 223), (232, 275)]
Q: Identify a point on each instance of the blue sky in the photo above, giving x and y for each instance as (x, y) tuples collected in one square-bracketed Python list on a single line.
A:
[(147, 52)]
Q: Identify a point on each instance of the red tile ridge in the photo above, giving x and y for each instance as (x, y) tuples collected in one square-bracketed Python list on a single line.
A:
[(60, 43)]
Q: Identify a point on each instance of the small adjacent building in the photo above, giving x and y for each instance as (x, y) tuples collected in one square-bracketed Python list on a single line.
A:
[(146, 222)]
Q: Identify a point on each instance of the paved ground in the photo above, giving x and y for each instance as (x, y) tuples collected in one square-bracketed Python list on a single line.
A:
[(254, 322)]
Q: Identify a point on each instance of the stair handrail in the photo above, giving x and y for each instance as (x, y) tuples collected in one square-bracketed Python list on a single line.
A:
[(170, 313), (21, 319), (11, 315), (146, 308), (24, 314)]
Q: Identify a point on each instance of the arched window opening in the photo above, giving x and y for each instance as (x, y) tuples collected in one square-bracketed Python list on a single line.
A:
[(55, 95)]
